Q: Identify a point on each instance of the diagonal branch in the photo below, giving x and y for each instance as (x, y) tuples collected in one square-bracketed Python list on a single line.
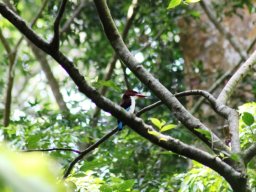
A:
[(131, 14), (76, 12), (249, 153), (55, 43), (220, 80), (87, 150), (153, 84), (229, 88)]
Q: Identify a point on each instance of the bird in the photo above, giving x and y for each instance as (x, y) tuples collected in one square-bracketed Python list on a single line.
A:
[(128, 103)]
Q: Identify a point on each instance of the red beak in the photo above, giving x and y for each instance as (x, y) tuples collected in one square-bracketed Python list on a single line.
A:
[(140, 95)]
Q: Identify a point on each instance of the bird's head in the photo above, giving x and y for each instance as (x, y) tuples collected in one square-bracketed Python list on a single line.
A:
[(131, 93)]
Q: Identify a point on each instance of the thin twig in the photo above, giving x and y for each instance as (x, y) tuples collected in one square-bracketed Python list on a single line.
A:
[(126, 80), (76, 12), (54, 149), (89, 149), (55, 43)]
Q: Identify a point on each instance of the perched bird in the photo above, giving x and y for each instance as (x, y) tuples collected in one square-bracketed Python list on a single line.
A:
[(128, 103)]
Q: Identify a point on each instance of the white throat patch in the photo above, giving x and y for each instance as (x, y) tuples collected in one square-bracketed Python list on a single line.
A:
[(133, 102)]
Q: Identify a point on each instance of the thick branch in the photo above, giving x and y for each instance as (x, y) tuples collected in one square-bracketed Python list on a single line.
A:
[(249, 153), (55, 43), (229, 88), (132, 11), (22, 26), (153, 84)]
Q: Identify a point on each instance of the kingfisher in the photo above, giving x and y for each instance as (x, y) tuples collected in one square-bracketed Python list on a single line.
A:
[(128, 103)]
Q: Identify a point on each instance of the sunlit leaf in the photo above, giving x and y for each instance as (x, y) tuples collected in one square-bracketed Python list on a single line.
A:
[(154, 133), (156, 122), (173, 4), (192, 1), (163, 139), (167, 127)]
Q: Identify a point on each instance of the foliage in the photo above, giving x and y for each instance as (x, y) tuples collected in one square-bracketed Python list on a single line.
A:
[(247, 124), (201, 179), (175, 3)]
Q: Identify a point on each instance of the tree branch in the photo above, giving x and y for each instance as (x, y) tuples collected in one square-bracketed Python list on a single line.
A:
[(55, 43), (5, 43), (229, 88), (153, 84), (52, 81), (54, 149), (12, 56), (76, 12), (220, 80), (249, 153), (87, 150), (131, 14)]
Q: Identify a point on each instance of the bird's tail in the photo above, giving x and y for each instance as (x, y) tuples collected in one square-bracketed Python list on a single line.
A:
[(120, 125)]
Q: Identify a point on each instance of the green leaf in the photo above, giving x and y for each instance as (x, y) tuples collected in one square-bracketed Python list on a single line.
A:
[(105, 188), (92, 165), (156, 122), (154, 133), (248, 118), (109, 83), (126, 185), (192, 1), (173, 4), (167, 127), (195, 14), (207, 134), (235, 157)]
